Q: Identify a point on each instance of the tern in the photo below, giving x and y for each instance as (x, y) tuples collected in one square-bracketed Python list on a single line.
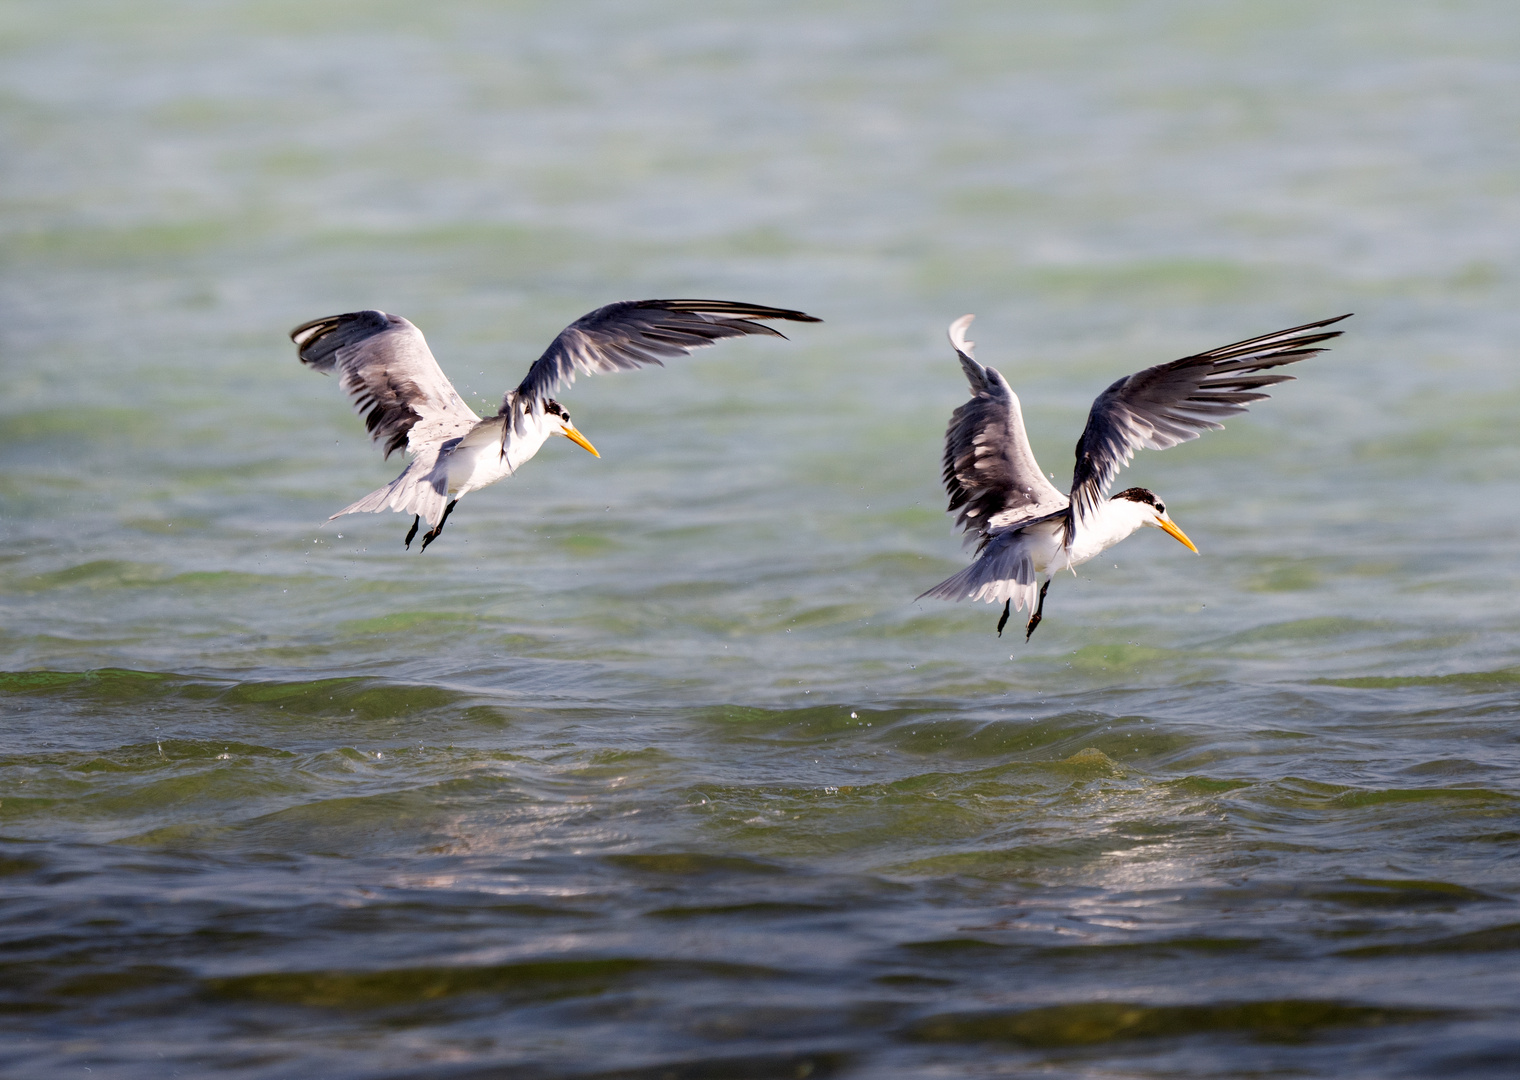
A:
[(1025, 530), (407, 402)]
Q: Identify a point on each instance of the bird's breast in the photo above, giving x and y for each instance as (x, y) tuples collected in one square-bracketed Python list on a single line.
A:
[(1095, 536), (480, 458), (472, 467)]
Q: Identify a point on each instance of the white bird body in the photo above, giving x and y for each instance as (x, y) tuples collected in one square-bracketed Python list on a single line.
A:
[(1116, 520), (1027, 530), (407, 402), (486, 455)]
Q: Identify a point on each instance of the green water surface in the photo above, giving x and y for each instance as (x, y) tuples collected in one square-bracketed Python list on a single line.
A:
[(652, 766)]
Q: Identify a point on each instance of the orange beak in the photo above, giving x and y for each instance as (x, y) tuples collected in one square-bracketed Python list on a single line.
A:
[(569, 432), (1170, 528)]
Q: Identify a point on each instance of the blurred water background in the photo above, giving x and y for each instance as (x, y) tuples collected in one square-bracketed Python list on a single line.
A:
[(652, 767)]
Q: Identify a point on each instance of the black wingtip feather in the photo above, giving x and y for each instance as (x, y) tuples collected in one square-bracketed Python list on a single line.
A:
[(729, 307), (318, 340), (1241, 348)]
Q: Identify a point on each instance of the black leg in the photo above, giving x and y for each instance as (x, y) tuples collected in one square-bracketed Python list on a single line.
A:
[(1039, 611), (1004, 620), (416, 521), (432, 534)]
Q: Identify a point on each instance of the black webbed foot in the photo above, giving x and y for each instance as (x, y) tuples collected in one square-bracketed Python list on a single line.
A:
[(416, 521), (1004, 620), (1039, 611), (432, 534)]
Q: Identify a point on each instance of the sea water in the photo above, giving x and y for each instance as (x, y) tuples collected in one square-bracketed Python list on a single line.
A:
[(652, 766)]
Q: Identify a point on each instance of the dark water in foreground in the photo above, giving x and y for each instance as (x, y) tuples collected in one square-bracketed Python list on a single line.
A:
[(651, 767), (1319, 882)]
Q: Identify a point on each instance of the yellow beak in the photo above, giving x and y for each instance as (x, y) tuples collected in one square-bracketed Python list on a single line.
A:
[(569, 432), (1170, 528)]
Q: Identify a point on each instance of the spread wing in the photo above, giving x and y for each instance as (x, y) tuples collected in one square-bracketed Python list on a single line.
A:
[(633, 333), (1172, 403), (990, 472), (384, 364)]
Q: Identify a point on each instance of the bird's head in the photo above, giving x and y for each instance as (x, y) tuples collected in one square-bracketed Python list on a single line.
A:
[(1152, 511), (557, 411)]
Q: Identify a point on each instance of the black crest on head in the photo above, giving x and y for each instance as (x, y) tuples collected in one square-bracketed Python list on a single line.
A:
[(554, 408), (1142, 495)]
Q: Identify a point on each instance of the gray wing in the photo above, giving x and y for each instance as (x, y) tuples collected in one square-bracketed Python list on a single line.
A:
[(632, 333), (384, 364), (990, 472), (1172, 403)]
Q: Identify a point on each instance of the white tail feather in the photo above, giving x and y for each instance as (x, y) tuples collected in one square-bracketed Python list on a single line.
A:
[(969, 584), (1004, 571), (420, 489)]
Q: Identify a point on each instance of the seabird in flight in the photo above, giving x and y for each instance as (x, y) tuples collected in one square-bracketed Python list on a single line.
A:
[(408, 403), (1024, 528)]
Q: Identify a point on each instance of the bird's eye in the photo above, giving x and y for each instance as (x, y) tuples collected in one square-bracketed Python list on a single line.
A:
[(1160, 508)]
